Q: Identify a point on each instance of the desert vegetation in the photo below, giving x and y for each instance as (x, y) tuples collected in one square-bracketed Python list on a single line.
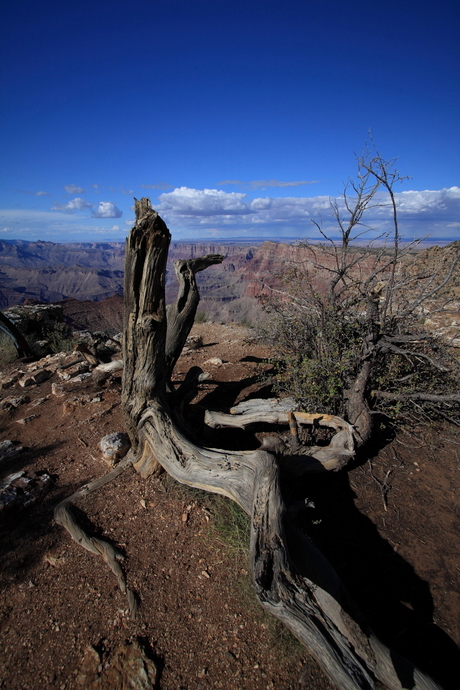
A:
[(349, 321)]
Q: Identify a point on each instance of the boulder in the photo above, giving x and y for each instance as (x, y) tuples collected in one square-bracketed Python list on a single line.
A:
[(114, 447)]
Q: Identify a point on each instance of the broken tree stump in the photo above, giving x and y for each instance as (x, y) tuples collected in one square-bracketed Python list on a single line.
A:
[(292, 579)]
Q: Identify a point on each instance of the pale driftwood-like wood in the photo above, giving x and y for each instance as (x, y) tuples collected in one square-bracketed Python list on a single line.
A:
[(317, 458), (291, 578), (100, 547), (87, 354), (181, 314)]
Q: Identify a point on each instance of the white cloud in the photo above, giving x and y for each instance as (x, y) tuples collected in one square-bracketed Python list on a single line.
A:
[(214, 213), (77, 204), (31, 224), (445, 202), (107, 210), (204, 202), (421, 213), (73, 189), (42, 194)]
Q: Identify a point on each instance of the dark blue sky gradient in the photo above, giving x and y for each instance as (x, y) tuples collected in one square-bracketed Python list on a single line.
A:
[(195, 93)]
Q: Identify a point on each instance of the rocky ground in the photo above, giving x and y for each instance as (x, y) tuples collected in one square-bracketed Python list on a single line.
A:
[(389, 525)]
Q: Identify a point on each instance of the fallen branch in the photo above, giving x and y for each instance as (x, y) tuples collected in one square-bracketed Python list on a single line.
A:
[(427, 397)]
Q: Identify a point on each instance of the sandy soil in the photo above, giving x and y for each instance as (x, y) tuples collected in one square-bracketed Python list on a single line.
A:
[(389, 525)]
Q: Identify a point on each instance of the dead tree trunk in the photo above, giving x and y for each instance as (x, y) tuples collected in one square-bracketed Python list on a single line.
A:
[(291, 578)]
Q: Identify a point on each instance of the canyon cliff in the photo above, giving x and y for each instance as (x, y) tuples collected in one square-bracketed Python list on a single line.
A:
[(50, 272), (93, 272)]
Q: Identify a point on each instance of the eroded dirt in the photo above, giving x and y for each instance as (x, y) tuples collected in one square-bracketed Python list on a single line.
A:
[(389, 525)]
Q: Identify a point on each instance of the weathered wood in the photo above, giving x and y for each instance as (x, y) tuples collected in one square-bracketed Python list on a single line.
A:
[(144, 373), (291, 578), (334, 456), (181, 314), (87, 354), (100, 547)]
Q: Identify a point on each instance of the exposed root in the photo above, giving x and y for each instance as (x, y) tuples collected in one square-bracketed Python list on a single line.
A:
[(64, 517)]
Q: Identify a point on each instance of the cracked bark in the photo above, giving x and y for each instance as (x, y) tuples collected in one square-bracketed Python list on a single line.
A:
[(292, 579)]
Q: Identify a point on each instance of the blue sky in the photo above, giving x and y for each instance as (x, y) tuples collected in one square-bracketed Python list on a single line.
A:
[(237, 119)]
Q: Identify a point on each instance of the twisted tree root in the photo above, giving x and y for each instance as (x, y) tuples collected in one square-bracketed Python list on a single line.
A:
[(64, 517)]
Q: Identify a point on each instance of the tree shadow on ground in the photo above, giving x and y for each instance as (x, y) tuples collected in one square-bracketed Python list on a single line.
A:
[(25, 458), (396, 602), (226, 393), (27, 533)]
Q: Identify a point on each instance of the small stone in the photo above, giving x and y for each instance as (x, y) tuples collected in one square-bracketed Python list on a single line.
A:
[(39, 401), (8, 449), (26, 420), (54, 560), (214, 360), (72, 371), (205, 574), (10, 381), (58, 390), (114, 446), (14, 402), (184, 517), (71, 404), (23, 488), (81, 377)]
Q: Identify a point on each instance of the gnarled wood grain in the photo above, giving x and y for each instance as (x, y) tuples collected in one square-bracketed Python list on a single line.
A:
[(291, 578)]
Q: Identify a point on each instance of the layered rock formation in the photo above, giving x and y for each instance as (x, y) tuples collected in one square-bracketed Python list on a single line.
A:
[(85, 273), (51, 272)]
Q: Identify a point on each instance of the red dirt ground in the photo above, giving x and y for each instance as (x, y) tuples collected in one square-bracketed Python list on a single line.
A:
[(389, 525)]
